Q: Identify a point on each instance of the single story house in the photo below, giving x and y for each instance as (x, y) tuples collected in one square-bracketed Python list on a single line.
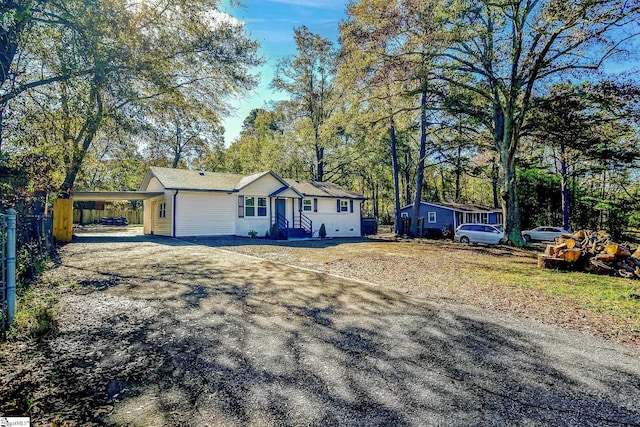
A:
[(199, 203), (437, 216)]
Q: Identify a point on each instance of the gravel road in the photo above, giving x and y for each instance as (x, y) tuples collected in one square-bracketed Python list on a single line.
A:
[(155, 331)]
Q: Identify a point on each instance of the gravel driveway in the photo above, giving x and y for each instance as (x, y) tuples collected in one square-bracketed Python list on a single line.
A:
[(165, 332)]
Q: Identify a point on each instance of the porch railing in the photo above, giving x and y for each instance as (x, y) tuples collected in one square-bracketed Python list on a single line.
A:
[(306, 224), (283, 225)]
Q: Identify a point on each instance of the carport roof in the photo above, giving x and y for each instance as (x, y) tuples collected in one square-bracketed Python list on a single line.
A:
[(106, 196)]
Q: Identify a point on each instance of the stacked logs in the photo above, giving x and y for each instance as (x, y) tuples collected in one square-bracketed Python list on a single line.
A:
[(592, 251)]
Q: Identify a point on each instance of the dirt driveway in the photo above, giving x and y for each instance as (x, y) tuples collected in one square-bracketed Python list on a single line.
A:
[(155, 331)]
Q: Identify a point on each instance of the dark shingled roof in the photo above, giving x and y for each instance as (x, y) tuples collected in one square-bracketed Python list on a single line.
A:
[(183, 179), (460, 207), (321, 189)]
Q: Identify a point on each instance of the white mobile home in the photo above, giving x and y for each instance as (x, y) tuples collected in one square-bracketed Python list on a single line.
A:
[(196, 203)]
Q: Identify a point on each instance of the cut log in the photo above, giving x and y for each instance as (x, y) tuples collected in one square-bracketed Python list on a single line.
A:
[(571, 255), (618, 250), (579, 235), (626, 274), (600, 267), (604, 257), (636, 254), (550, 262), (571, 243)]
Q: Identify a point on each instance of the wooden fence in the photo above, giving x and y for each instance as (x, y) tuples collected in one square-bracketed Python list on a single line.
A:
[(91, 216)]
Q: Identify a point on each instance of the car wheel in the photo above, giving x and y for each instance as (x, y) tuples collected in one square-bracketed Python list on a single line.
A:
[(527, 238), (464, 239)]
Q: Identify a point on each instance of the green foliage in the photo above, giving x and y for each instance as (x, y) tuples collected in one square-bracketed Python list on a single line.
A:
[(275, 231), (539, 196), (35, 315), (253, 233), (106, 78), (323, 231)]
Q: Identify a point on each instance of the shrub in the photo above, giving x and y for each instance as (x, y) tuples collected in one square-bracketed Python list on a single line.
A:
[(275, 231), (323, 231), (253, 233)]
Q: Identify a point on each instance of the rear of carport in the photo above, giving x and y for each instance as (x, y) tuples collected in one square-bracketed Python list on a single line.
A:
[(63, 208)]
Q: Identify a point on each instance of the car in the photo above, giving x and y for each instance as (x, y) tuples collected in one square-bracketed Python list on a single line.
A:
[(543, 233), (479, 233)]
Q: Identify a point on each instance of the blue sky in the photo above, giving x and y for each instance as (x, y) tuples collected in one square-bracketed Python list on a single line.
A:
[(271, 23)]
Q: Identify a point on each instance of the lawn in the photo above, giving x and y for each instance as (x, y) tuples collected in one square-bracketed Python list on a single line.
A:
[(495, 277)]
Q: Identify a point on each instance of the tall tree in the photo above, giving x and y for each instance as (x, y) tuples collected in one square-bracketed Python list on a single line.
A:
[(308, 77), (100, 58), (398, 41), (511, 49)]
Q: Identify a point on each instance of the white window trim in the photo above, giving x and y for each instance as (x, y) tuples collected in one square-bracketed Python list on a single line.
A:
[(256, 207), (344, 206), (307, 203), (434, 220)]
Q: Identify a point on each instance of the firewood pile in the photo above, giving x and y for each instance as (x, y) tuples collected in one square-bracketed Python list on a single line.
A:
[(592, 251)]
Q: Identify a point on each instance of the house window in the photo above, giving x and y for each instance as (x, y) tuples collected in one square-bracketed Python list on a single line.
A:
[(163, 210), (262, 206), (432, 218), (404, 214), (306, 205), (250, 206), (344, 206)]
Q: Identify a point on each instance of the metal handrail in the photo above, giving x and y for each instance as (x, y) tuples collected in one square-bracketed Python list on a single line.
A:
[(306, 223)]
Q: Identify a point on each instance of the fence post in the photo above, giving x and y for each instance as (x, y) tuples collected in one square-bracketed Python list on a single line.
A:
[(11, 265)]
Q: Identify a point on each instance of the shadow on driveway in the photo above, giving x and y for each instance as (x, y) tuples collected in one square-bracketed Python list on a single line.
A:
[(208, 337)]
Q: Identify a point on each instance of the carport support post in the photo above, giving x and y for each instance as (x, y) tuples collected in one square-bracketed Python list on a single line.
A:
[(63, 220), (11, 265)]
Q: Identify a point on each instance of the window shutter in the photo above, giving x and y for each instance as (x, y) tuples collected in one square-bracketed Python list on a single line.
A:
[(315, 205), (300, 205), (338, 205), (351, 205), (240, 206)]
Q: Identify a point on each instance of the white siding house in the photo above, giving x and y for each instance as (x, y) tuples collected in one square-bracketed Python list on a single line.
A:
[(219, 204)]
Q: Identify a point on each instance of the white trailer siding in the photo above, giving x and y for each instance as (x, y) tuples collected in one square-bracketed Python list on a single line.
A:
[(205, 214)]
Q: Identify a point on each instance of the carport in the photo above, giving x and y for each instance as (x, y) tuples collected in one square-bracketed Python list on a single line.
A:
[(63, 208)]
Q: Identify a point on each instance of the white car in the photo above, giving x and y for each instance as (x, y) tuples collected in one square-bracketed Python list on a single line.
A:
[(543, 233), (479, 233)]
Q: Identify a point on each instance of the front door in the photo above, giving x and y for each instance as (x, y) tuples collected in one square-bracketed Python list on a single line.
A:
[(281, 209)]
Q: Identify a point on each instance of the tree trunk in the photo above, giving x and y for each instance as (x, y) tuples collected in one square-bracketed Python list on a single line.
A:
[(407, 178), (87, 134), (494, 183), (458, 175), (510, 203), (396, 180), (420, 164), (177, 153), (565, 190)]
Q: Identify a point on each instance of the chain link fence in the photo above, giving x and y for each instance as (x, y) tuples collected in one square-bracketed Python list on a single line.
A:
[(26, 243)]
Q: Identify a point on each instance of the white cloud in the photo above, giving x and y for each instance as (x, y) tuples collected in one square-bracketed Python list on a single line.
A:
[(217, 18)]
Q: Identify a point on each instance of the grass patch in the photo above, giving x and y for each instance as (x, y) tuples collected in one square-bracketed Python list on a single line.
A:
[(34, 316)]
